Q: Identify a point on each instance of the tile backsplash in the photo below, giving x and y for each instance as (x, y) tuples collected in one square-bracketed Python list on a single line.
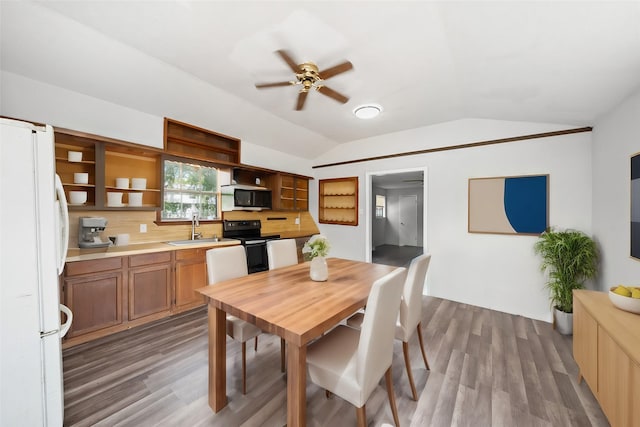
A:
[(119, 222)]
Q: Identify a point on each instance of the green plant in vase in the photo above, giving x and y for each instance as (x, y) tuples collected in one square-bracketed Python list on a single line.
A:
[(570, 257)]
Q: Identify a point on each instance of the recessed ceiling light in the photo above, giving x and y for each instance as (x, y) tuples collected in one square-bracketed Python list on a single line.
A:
[(367, 111)]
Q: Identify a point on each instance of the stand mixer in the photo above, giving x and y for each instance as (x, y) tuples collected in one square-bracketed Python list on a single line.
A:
[(89, 229)]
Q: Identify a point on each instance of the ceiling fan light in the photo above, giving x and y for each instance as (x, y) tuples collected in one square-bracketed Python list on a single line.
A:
[(367, 111)]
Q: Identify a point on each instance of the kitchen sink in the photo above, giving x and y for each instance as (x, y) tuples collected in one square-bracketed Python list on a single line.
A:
[(196, 242)]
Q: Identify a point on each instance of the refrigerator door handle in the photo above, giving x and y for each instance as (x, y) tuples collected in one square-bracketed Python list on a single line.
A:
[(64, 328), (64, 227)]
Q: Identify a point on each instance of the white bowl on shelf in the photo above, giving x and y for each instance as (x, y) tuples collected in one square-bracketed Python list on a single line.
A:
[(624, 303), (77, 197), (139, 183), (81, 178)]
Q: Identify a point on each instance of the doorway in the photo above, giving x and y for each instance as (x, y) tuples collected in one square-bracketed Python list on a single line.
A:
[(399, 235)]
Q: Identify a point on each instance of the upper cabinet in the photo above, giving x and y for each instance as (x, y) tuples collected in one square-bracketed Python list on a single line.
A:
[(292, 192), (338, 201), (130, 172), (185, 140), (76, 166), (118, 175)]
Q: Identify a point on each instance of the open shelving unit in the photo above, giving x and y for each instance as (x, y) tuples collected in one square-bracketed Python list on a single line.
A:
[(338, 201)]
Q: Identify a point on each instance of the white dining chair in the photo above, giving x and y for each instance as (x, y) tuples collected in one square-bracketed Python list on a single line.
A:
[(224, 264), (410, 315), (282, 253), (350, 363)]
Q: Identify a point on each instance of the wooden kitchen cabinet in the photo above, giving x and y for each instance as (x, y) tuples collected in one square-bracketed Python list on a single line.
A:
[(66, 169), (106, 159), (338, 201), (128, 162), (149, 284), (185, 140), (190, 274), (94, 291), (606, 346), (292, 192)]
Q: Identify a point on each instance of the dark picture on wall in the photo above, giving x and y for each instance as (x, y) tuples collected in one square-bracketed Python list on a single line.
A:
[(635, 206), (509, 205)]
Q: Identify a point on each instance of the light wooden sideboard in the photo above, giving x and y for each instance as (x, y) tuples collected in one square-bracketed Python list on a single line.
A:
[(606, 347)]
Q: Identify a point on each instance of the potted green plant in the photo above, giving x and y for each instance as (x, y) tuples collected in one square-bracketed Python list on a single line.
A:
[(570, 257)]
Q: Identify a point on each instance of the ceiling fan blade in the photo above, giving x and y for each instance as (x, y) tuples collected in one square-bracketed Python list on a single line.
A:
[(340, 68), (287, 58), (263, 85), (332, 94), (302, 97)]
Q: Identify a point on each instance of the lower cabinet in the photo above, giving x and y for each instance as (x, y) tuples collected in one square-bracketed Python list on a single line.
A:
[(606, 347), (113, 294), (191, 274), (149, 284), (94, 291), (96, 302)]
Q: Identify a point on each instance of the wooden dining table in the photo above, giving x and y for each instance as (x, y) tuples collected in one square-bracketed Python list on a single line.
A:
[(287, 303)]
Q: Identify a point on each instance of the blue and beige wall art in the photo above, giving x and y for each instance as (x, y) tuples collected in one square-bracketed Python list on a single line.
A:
[(635, 206), (509, 205)]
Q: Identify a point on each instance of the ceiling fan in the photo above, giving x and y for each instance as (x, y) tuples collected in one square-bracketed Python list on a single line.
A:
[(308, 77)]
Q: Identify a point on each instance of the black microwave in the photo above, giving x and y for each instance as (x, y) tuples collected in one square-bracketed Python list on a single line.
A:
[(245, 197)]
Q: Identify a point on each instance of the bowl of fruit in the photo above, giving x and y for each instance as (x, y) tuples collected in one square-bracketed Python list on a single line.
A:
[(626, 298)]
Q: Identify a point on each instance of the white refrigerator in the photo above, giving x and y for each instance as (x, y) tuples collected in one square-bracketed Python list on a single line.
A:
[(34, 225)]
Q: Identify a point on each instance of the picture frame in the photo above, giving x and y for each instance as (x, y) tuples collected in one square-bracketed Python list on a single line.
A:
[(634, 223), (509, 205)]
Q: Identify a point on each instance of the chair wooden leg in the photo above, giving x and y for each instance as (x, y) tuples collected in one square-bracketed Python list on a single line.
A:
[(361, 414), (424, 356), (328, 394), (255, 346), (244, 367), (392, 397), (407, 363), (283, 363)]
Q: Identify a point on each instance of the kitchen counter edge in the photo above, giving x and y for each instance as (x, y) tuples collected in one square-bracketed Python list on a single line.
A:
[(76, 254)]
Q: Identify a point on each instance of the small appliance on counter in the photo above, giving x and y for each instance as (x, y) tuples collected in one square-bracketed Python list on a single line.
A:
[(89, 229)]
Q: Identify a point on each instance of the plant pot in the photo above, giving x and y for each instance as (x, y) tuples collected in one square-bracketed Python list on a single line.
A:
[(563, 322), (318, 270)]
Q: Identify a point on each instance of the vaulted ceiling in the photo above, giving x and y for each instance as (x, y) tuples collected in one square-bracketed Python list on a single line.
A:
[(424, 62)]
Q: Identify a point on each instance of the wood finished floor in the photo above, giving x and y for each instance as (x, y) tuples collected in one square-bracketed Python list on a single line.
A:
[(487, 369)]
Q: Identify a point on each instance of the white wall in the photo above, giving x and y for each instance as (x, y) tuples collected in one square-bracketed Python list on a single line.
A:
[(615, 138), (495, 271), (29, 99)]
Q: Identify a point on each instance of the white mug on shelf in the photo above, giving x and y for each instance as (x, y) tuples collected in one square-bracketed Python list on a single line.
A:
[(122, 182), (74, 156), (81, 178), (114, 199), (135, 199), (139, 183)]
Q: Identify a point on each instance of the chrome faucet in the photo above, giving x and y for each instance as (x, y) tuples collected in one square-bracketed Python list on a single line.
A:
[(195, 223)]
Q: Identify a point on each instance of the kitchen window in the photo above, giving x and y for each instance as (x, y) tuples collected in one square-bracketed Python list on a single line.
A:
[(190, 187)]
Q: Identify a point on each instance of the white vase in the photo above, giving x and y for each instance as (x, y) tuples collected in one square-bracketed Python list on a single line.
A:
[(318, 271)]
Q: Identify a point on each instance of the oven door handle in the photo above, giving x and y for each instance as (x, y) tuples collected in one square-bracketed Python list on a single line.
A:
[(255, 242)]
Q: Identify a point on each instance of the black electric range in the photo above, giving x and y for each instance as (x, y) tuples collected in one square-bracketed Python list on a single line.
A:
[(249, 234)]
